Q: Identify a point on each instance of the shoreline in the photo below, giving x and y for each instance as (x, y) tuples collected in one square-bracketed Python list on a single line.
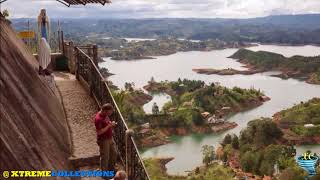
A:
[(309, 78), (288, 44), (161, 135), (128, 53), (225, 72)]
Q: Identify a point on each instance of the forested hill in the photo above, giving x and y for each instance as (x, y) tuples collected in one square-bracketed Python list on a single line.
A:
[(291, 29), (300, 67), (297, 117), (269, 60)]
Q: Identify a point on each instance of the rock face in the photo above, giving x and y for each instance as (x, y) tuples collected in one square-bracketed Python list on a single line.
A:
[(34, 132)]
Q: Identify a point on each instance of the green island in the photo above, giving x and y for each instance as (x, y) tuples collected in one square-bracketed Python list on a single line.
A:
[(195, 108), (299, 67), (214, 98), (121, 49)]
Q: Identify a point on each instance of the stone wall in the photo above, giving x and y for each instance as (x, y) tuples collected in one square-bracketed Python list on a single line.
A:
[(34, 132)]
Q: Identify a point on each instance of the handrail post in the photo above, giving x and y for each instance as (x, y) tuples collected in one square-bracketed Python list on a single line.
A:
[(77, 62), (95, 54), (62, 42), (128, 159), (72, 58), (91, 79), (90, 73)]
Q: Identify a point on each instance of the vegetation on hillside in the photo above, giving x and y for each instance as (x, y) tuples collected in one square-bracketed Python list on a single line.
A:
[(260, 153), (130, 104), (192, 97), (296, 66), (212, 171), (183, 115), (299, 115), (260, 59), (157, 171), (257, 152)]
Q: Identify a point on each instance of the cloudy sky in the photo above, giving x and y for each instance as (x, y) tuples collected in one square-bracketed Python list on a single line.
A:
[(165, 8)]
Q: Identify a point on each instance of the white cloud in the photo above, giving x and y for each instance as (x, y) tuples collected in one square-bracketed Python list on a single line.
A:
[(165, 8)]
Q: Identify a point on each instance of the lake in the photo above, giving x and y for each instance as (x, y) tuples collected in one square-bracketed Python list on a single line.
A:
[(187, 149)]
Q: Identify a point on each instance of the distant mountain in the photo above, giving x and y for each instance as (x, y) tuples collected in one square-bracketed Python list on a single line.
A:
[(292, 29), (304, 21)]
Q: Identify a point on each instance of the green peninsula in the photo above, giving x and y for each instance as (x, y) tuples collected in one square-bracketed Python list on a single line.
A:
[(301, 123), (299, 67)]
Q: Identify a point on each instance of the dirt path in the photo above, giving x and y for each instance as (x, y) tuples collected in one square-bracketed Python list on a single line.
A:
[(80, 110)]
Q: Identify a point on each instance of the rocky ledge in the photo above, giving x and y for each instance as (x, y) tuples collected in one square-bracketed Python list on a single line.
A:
[(223, 127), (229, 71)]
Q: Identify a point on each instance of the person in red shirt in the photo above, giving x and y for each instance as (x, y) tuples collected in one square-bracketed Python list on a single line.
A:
[(105, 141)]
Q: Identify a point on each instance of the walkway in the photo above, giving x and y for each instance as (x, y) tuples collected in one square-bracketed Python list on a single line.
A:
[(80, 110)]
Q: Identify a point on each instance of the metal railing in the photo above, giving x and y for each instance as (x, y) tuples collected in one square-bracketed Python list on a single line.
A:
[(87, 70)]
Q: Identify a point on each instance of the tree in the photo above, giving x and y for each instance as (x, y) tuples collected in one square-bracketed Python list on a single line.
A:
[(152, 80), (227, 140), (250, 161), (5, 13), (197, 118), (129, 86), (266, 168), (208, 154), (119, 98), (289, 151), (246, 161), (104, 72), (260, 133), (130, 117), (271, 156), (285, 162), (235, 142), (227, 152)]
